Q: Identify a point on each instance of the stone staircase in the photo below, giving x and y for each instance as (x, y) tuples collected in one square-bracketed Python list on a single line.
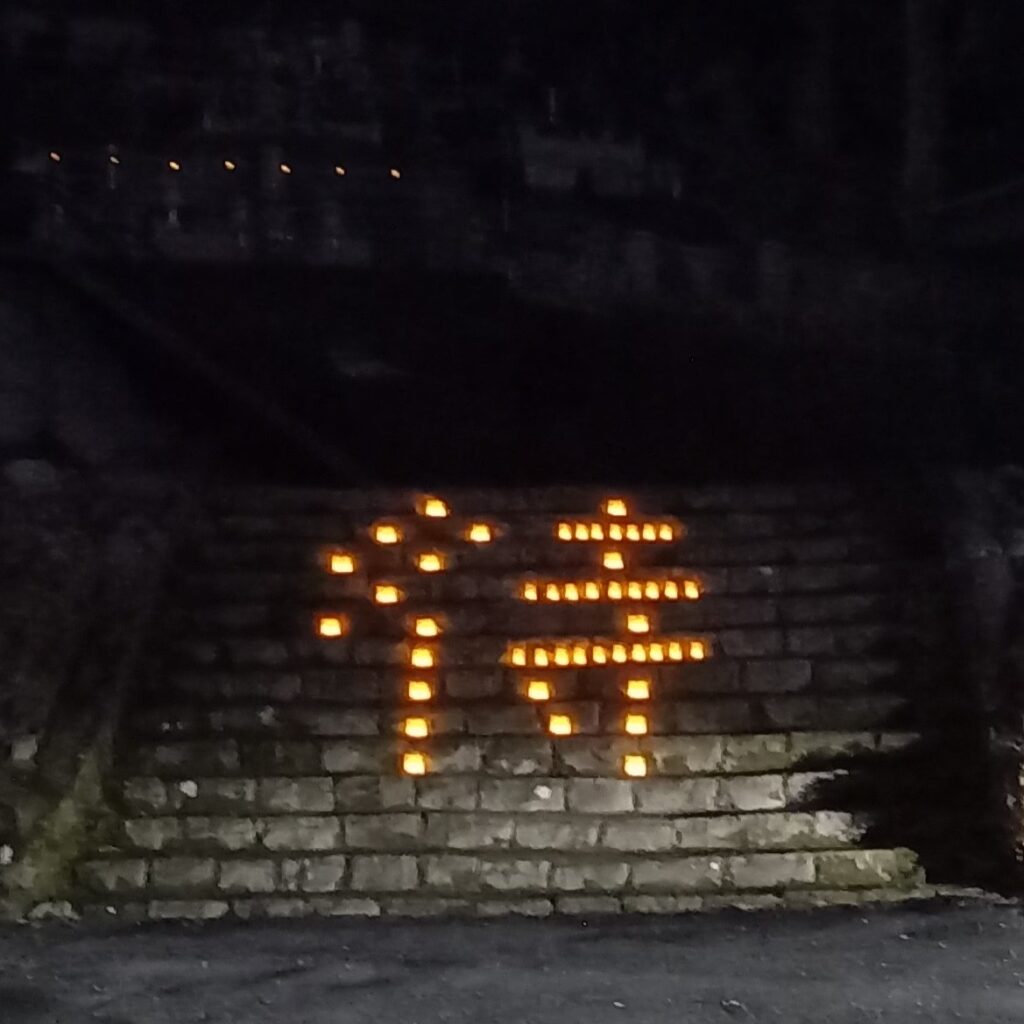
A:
[(532, 702)]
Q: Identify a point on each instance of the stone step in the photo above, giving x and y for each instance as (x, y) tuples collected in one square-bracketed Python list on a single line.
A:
[(684, 783), (663, 718), (463, 875), (358, 686), (259, 582), (422, 831), (229, 616), (359, 648), (411, 906)]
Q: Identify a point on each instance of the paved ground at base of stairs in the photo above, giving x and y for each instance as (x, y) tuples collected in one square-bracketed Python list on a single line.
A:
[(934, 962)]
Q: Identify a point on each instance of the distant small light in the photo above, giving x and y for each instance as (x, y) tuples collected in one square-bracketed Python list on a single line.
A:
[(633, 531), (579, 654), (426, 626), (386, 593), (638, 623), (560, 725), (479, 533), (284, 168), (675, 651), (330, 626), (572, 592), (635, 590), (339, 170), (613, 560), (666, 531), (636, 725), (173, 165), (638, 688), (342, 563), (430, 561), (414, 763), (563, 655), (421, 657), (615, 507), (115, 160), (517, 655), (592, 591), (229, 165), (434, 508), (395, 173), (599, 654), (614, 591), (387, 533), (55, 156), (691, 589), (529, 591), (416, 728), (552, 592), (656, 652), (635, 765), (538, 689), (564, 531), (698, 652), (419, 690)]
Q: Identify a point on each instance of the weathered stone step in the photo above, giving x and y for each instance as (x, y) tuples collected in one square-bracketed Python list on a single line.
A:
[(677, 793), (256, 583), (422, 831), (777, 713), (465, 618), (435, 906), (300, 648), (503, 875), (725, 677), (270, 503)]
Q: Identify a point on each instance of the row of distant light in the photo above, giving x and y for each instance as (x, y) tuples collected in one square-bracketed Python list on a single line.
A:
[(646, 531), (611, 590), (229, 165), (585, 653)]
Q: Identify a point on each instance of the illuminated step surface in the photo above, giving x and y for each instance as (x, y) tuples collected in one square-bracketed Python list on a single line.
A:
[(537, 702)]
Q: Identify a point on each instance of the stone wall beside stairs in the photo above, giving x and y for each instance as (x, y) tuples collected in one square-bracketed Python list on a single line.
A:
[(261, 766)]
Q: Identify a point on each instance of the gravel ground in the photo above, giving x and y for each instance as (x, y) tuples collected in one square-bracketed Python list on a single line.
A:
[(933, 962)]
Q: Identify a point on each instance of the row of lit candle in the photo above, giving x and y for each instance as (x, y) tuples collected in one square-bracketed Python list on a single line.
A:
[(415, 762), (585, 653), (610, 590), (340, 170), (646, 531)]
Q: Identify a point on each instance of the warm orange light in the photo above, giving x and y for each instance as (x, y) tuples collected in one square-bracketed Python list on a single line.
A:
[(518, 655), (342, 562), (579, 654), (414, 763), (434, 508), (599, 654), (616, 532), (421, 657), (339, 170), (691, 590), (656, 652), (581, 532), (564, 531), (632, 532), (560, 725), (671, 589), (387, 593), (480, 533), (419, 690), (697, 650), (229, 165), (613, 560), (173, 165), (615, 591), (637, 622), (636, 725), (538, 689), (649, 531), (540, 658), (395, 173), (638, 653), (55, 156), (387, 533), (651, 590), (430, 561), (572, 592), (592, 591), (529, 591), (416, 728), (634, 590), (426, 627), (619, 654), (638, 689), (615, 507), (635, 765), (562, 655), (552, 593), (330, 626), (666, 531), (675, 651), (596, 531), (284, 168)]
